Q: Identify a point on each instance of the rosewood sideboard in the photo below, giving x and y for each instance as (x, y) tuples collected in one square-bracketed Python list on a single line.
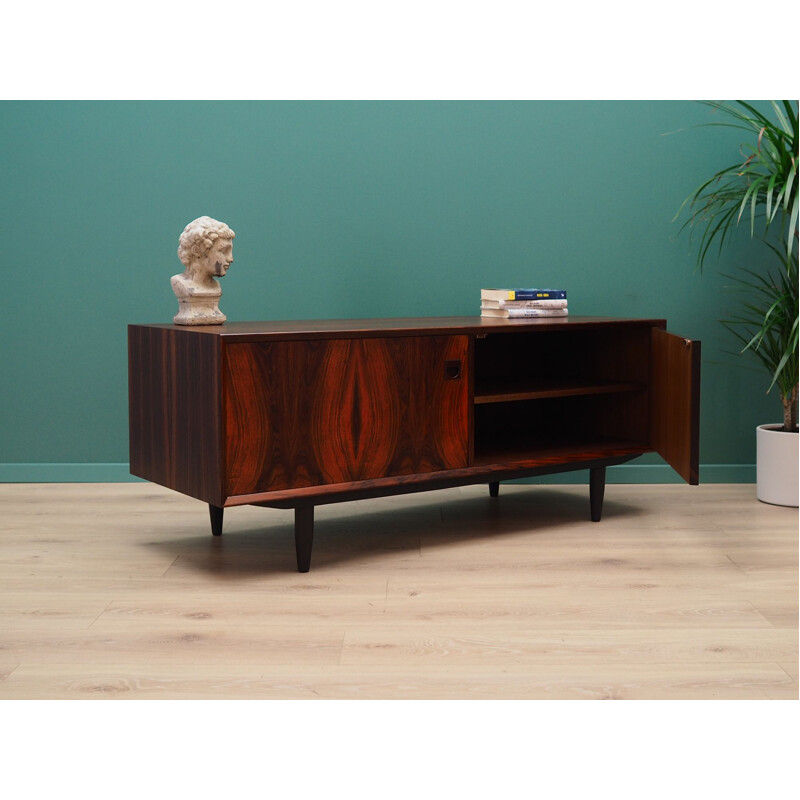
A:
[(298, 414)]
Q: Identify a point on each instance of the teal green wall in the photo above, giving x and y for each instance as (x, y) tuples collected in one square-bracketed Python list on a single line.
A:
[(342, 209)]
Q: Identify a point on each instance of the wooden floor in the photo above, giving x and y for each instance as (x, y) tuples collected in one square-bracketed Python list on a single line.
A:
[(118, 591)]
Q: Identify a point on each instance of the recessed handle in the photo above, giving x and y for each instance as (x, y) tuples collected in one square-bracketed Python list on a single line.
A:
[(452, 370)]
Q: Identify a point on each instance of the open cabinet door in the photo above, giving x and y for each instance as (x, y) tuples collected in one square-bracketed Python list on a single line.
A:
[(675, 402)]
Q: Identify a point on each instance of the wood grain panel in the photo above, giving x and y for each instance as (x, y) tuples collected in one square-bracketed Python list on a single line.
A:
[(307, 413), (438, 427), (356, 409), (267, 397), (174, 408), (675, 402)]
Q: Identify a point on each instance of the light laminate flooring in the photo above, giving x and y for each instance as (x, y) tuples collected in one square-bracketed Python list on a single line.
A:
[(119, 591)]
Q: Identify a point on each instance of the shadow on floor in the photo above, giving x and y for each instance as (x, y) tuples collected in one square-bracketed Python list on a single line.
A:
[(259, 541)]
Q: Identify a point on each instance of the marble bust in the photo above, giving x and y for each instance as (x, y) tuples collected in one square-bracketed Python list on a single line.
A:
[(205, 248)]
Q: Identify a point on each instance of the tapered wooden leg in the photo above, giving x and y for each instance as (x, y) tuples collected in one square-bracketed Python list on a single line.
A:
[(303, 536), (494, 488), (597, 488), (216, 513)]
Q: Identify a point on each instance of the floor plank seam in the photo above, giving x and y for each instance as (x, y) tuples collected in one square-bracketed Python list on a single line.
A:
[(738, 566), (763, 616), (341, 649), (172, 564), (13, 670), (791, 677), (110, 603)]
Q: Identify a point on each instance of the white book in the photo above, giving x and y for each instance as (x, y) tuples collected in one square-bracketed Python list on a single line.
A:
[(516, 313)]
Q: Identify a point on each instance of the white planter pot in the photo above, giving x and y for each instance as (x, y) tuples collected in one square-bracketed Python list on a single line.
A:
[(776, 465)]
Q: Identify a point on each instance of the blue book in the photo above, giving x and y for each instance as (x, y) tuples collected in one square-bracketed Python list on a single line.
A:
[(523, 294)]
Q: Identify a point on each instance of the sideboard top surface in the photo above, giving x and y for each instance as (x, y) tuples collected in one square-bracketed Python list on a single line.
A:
[(400, 326)]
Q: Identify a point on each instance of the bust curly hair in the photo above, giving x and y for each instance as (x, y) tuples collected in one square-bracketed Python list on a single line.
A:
[(198, 238)]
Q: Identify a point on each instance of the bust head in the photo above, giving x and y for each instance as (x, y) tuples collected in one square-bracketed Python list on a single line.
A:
[(206, 248)]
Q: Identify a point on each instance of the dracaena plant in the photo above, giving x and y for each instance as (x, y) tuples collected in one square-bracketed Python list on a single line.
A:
[(759, 188), (766, 326)]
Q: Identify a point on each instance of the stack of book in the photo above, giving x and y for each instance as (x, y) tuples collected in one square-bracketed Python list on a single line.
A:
[(512, 303)]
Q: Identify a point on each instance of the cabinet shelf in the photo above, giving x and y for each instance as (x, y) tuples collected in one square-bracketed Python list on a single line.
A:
[(502, 391), (539, 451)]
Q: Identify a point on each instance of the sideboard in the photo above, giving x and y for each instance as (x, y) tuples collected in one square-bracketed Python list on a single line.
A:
[(298, 414)]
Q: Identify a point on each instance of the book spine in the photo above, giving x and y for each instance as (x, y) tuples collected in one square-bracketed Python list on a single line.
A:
[(537, 312), (525, 303), (517, 313), (537, 294)]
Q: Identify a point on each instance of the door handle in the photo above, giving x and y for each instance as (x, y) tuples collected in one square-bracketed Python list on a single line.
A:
[(452, 370)]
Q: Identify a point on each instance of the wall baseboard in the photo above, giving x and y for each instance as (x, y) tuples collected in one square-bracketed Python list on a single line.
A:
[(655, 473), (624, 473), (66, 473)]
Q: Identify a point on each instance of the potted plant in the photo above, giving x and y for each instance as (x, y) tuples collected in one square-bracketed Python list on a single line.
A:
[(761, 187)]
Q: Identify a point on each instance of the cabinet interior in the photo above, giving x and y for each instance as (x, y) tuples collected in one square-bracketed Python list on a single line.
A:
[(558, 393)]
